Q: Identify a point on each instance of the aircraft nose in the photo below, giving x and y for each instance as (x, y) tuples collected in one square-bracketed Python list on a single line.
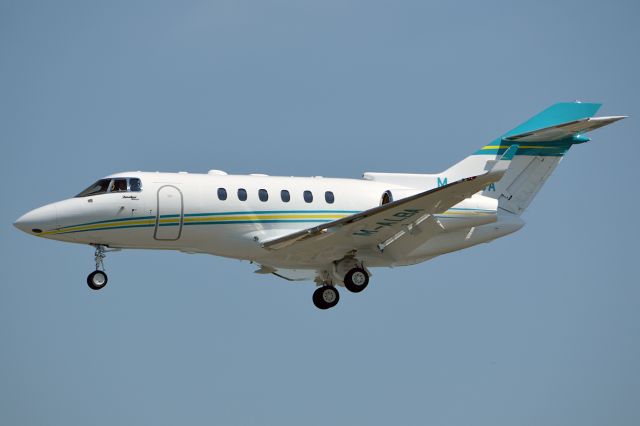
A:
[(38, 220)]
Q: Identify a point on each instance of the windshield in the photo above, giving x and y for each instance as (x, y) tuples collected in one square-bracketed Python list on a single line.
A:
[(100, 187), (104, 186)]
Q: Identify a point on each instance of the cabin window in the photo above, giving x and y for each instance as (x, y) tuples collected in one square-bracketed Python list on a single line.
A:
[(308, 196), (328, 197), (242, 194), (263, 195), (222, 194), (135, 185), (285, 196), (118, 185), (386, 198)]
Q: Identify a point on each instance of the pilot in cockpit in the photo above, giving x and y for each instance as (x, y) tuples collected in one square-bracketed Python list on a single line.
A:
[(118, 185), (112, 185)]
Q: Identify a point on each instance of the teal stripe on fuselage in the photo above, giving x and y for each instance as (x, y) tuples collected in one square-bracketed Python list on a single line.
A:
[(256, 221), (152, 225), (223, 222), (109, 221), (168, 216), (249, 212), (110, 227)]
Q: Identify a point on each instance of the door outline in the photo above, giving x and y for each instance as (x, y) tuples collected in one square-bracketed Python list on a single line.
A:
[(155, 233)]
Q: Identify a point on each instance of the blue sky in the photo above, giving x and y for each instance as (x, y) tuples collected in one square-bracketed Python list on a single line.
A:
[(541, 327)]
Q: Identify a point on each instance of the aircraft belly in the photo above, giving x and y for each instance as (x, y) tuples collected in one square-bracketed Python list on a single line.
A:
[(457, 240), (453, 223)]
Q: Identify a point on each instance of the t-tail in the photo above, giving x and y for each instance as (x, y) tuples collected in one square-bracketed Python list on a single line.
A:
[(542, 142)]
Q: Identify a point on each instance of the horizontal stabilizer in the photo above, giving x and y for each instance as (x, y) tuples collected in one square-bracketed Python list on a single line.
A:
[(564, 130)]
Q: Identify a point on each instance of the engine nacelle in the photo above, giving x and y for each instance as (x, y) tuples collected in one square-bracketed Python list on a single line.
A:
[(475, 211)]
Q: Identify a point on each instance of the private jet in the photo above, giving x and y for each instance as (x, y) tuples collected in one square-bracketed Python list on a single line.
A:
[(331, 231)]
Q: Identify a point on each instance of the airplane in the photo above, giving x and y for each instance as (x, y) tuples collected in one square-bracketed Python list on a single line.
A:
[(328, 230)]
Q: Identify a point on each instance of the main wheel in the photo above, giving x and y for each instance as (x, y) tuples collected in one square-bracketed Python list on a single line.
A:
[(326, 297), (97, 280), (356, 280)]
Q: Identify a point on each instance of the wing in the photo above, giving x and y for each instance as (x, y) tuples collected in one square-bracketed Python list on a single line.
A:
[(564, 130), (376, 228)]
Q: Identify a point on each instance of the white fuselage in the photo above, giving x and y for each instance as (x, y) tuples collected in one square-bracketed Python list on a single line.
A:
[(186, 212)]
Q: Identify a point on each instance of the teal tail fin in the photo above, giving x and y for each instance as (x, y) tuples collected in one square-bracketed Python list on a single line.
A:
[(563, 112), (555, 115), (543, 140)]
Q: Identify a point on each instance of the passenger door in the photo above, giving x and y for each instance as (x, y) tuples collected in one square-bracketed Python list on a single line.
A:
[(169, 214)]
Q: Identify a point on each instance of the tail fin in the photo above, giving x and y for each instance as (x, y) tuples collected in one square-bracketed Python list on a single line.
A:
[(543, 140)]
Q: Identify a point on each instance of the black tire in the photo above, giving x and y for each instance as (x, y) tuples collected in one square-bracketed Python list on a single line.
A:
[(97, 280), (326, 297), (356, 280)]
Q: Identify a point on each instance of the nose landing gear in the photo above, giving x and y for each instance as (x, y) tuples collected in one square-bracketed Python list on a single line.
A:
[(98, 278)]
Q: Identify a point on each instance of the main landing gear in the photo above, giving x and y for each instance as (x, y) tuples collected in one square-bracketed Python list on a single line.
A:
[(326, 297), (355, 280), (98, 278)]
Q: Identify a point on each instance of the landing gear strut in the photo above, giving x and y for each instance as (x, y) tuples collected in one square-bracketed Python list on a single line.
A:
[(326, 297), (98, 278)]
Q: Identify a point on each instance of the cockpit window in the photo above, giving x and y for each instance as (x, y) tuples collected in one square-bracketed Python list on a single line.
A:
[(100, 187), (112, 185), (118, 185), (135, 185)]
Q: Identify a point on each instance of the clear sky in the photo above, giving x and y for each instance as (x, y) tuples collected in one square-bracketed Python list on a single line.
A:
[(539, 328)]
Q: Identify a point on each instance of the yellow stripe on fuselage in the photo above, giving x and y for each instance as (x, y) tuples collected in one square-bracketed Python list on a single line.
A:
[(521, 147), (224, 218), (101, 225), (176, 220), (263, 217)]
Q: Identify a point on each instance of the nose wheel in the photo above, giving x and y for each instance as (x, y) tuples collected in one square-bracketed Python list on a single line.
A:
[(98, 278)]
